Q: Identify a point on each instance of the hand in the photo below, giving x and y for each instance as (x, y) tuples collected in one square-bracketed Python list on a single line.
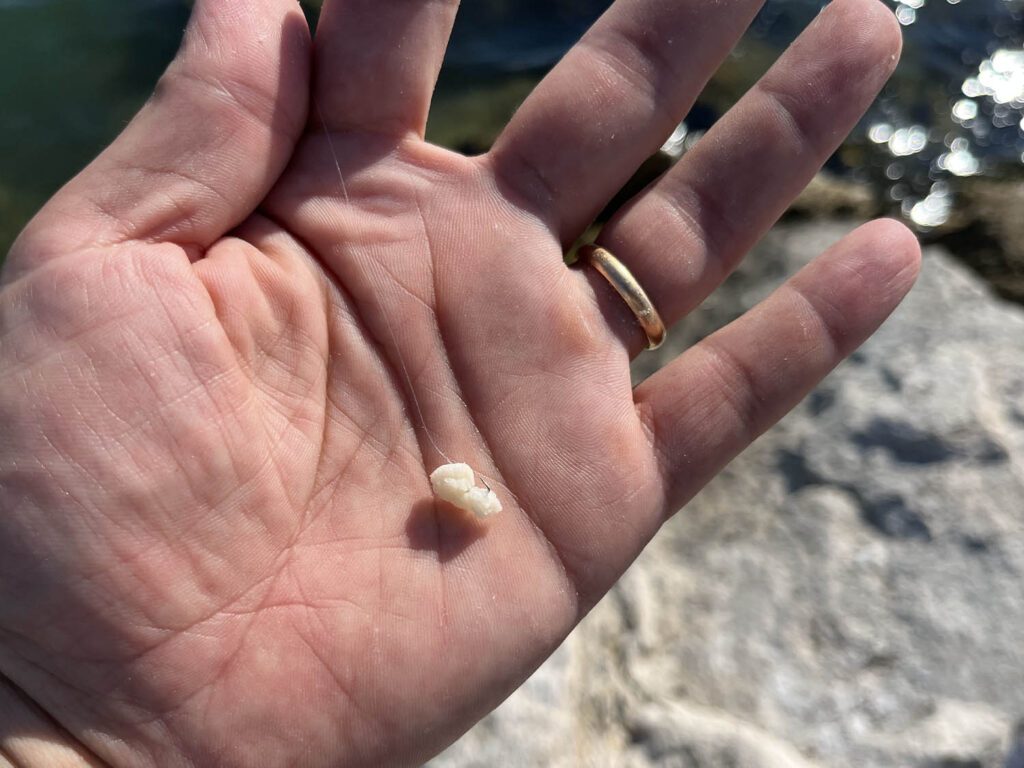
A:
[(226, 372)]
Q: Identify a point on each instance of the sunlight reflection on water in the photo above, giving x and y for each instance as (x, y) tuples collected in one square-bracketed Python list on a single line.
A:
[(954, 108), (994, 102), (985, 129)]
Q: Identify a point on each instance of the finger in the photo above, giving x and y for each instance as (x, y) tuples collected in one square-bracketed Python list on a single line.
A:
[(376, 62), (207, 146), (687, 232), (610, 103), (712, 401)]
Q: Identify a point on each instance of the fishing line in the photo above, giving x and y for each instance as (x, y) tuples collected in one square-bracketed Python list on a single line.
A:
[(458, 490), (387, 320)]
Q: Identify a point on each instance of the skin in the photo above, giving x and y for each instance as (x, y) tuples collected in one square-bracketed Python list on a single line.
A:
[(225, 374)]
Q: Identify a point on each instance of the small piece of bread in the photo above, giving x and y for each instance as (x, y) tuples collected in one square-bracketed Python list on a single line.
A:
[(456, 484)]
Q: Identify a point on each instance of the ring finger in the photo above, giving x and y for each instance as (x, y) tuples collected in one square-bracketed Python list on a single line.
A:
[(682, 236)]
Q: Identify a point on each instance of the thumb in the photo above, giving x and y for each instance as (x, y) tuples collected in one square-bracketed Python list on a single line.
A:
[(204, 150)]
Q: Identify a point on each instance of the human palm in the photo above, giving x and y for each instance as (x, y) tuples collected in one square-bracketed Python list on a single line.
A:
[(232, 350)]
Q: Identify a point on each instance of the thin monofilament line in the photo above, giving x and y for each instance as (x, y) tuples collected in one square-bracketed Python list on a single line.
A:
[(387, 321), (412, 392), (419, 411), (330, 145), (422, 422)]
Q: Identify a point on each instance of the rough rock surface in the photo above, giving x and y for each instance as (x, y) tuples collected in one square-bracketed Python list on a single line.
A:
[(850, 592)]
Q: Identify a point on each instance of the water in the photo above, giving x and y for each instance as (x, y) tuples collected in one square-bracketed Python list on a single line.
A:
[(72, 72), (953, 109)]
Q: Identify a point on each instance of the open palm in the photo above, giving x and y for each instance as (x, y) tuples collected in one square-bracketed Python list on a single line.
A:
[(234, 347)]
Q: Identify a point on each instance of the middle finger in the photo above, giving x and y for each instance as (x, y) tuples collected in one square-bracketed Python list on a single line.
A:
[(610, 103)]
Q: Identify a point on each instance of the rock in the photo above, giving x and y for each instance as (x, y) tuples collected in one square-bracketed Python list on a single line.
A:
[(684, 735), (987, 231), (831, 195), (847, 593)]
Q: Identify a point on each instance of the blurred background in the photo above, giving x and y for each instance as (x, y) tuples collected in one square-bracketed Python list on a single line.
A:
[(850, 592), (943, 146)]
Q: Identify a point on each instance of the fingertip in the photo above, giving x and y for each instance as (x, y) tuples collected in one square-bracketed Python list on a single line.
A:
[(836, 68), (260, 51), (898, 234), (897, 249), (870, 31), (880, 28), (861, 279)]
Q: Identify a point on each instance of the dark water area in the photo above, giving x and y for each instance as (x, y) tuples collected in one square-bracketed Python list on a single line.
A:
[(72, 72), (953, 109)]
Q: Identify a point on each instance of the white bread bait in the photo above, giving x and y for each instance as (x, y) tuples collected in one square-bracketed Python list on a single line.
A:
[(456, 484)]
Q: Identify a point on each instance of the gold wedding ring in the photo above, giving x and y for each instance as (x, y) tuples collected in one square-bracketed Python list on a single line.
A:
[(629, 289)]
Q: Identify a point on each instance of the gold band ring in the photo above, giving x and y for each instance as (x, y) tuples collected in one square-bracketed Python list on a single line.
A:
[(629, 289)]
